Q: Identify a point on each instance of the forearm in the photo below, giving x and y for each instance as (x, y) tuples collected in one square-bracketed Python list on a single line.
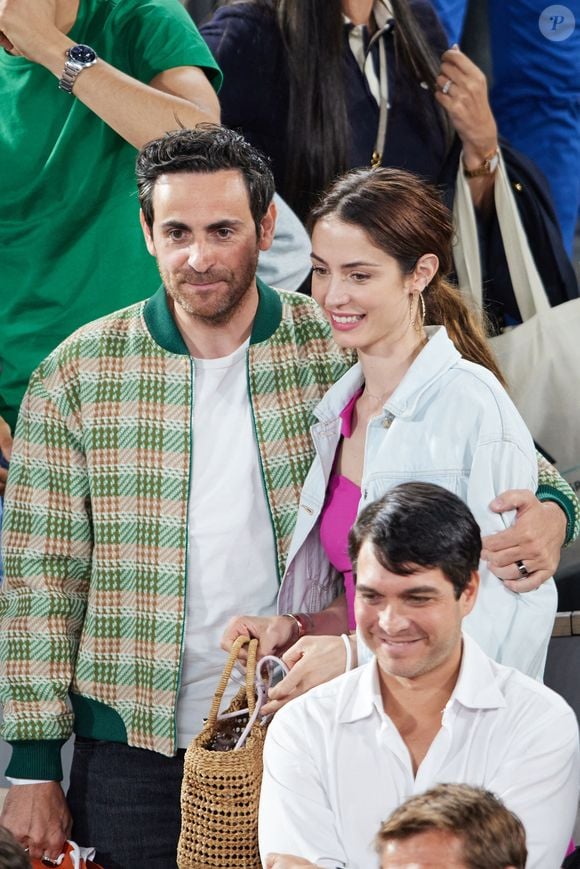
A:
[(333, 620), (136, 111), (553, 487)]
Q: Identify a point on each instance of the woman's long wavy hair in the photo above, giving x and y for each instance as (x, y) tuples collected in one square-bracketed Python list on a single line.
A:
[(406, 218), (318, 131)]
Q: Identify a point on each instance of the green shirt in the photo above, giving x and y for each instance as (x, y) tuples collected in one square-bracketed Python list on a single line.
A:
[(71, 248)]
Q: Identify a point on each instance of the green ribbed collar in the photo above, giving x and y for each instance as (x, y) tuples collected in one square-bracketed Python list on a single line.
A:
[(163, 330)]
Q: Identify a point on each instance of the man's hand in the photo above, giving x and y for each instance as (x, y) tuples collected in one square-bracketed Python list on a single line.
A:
[(535, 538), (274, 633), (38, 817), (6, 448), (286, 861), (27, 24), (312, 661)]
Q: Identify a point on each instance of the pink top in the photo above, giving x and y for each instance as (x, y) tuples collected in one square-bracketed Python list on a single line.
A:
[(338, 516)]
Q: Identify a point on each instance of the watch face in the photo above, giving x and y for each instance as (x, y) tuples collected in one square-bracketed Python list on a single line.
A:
[(82, 54)]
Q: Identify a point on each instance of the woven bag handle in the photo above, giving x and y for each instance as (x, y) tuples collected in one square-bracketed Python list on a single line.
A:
[(239, 643)]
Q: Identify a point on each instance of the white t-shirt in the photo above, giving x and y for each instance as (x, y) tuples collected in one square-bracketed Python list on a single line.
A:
[(231, 559)]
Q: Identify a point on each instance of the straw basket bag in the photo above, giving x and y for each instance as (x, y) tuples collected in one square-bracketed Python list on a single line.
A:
[(221, 782)]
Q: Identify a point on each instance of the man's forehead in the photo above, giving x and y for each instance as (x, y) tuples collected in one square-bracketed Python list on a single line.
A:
[(431, 849), (371, 573), (208, 188)]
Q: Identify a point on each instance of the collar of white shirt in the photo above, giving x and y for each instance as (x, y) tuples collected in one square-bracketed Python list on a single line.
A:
[(477, 687), (436, 358), (382, 12)]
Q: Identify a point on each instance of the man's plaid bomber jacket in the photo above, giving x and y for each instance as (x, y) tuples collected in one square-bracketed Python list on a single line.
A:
[(95, 533)]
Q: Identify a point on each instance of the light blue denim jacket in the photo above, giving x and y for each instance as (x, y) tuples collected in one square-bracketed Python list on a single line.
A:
[(449, 422)]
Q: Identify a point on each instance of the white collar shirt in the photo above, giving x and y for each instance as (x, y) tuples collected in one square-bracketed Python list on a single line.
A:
[(335, 765)]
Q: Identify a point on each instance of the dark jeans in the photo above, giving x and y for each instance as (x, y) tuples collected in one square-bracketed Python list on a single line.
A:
[(125, 803)]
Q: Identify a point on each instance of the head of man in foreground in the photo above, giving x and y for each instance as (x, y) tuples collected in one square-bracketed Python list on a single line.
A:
[(415, 553), (452, 826)]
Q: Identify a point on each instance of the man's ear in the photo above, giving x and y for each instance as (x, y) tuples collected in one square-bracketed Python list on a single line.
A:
[(469, 593), (147, 233), (267, 228)]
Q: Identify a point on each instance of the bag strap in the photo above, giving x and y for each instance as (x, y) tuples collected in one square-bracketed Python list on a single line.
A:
[(238, 644), (527, 284), (528, 287)]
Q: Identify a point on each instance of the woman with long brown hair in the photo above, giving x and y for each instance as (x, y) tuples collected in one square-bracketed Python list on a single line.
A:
[(425, 401)]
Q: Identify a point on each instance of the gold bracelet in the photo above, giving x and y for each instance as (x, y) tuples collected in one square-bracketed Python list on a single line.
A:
[(303, 622)]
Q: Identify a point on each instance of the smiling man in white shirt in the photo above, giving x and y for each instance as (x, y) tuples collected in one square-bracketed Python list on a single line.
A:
[(430, 707)]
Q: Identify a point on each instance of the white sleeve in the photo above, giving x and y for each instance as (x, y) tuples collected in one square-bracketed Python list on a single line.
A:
[(539, 782), (295, 814), (512, 628), (496, 467)]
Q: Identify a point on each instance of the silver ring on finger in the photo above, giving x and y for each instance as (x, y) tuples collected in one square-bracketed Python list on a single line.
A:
[(446, 87), (522, 569), (48, 862)]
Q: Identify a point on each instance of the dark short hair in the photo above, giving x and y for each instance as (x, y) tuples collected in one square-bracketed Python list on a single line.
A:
[(12, 855), (420, 525), (491, 836), (205, 149)]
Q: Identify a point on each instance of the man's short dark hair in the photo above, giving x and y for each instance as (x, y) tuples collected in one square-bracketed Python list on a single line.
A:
[(205, 149), (491, 836), (420, 525), (12, 855)]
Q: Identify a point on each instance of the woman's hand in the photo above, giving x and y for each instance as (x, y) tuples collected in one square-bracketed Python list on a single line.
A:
[(274, 634), (535, 539), (312, 661), (462, 92)]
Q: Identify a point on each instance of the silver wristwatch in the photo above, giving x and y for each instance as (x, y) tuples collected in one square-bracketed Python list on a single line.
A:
[(78, 58)]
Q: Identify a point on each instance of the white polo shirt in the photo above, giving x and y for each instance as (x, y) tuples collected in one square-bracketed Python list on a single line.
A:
[(335, 765)]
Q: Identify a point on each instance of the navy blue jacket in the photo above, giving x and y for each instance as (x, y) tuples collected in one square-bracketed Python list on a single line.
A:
[(247, 44)]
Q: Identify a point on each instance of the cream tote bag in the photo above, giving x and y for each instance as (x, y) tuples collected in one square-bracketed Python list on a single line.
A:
[(541, 357)]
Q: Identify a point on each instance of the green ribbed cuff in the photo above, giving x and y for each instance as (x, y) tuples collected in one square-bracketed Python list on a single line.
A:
[(36, 759), (551, 493)]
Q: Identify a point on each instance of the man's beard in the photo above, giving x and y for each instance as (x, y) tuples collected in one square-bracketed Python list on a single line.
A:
[(220, 307)]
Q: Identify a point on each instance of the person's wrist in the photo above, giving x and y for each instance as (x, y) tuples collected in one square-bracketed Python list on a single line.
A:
[(476, 153), (559, 517), (50, 52), (302, 625)]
